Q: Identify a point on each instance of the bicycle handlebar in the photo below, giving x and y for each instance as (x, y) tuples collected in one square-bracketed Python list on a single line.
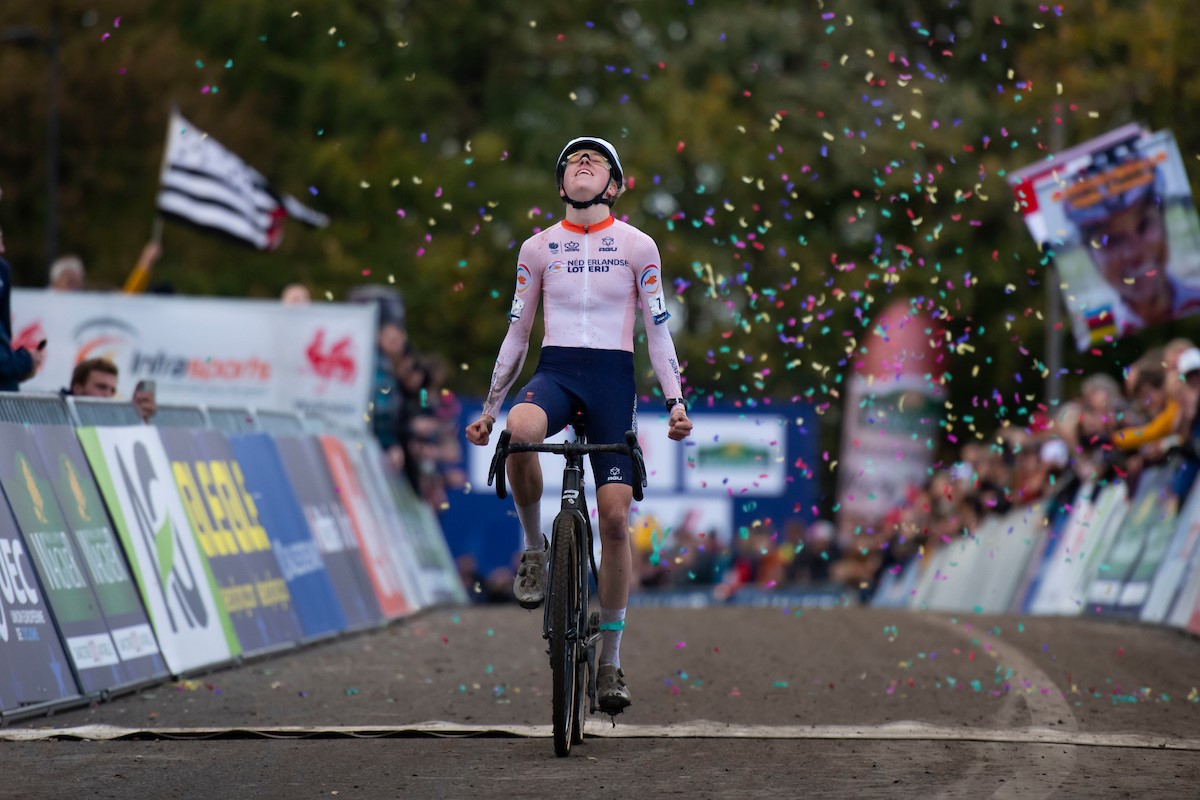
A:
[(504, 446)]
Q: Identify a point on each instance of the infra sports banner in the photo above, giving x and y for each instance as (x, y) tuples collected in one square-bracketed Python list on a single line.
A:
[(387, 579), (331, 527), (59, 564), (172, 573), (225, 521), (87, 519), (33, 667), (317, 358), (313, 595)]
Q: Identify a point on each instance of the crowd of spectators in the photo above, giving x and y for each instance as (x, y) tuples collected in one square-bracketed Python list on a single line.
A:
[(1109, 432), (414, 414), (1112, 431)]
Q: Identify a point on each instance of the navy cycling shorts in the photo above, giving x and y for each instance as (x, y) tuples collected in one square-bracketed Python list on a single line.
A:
[(598, 383)]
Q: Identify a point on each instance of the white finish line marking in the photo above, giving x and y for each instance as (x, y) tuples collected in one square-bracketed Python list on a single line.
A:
[(897, 731)]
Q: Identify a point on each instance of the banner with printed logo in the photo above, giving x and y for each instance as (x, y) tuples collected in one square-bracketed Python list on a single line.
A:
[(59, 564), (327, 519), (172, 573), (33, 667), (386, 578), (87, 519), (1118, 214), (1181, 558), (225, 521), (395, 529), (316, 358), (279, 511), (1146, 530), (436, 571)]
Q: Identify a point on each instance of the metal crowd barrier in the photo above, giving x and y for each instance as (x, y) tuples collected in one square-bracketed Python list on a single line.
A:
[(34, 409), (26, 408)]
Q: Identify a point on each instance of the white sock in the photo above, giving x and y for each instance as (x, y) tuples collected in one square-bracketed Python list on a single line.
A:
[(611, 640), (531, 524)]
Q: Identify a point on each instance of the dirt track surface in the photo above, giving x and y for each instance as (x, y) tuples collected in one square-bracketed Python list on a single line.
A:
[(729, 702)]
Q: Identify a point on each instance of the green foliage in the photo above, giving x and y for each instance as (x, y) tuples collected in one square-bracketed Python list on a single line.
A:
[(799, 164)]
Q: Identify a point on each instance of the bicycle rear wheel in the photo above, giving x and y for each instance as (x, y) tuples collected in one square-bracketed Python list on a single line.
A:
[(564, 622)]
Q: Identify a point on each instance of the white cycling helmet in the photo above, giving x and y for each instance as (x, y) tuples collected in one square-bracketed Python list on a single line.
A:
[(609, 152)]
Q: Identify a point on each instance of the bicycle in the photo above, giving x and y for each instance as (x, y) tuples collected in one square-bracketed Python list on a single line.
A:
[(571, 631)]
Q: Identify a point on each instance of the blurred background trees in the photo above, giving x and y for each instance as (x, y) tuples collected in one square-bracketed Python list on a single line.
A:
[(799, 163)]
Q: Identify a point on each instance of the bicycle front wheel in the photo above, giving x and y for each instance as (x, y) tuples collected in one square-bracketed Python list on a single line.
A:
[(564, 622)]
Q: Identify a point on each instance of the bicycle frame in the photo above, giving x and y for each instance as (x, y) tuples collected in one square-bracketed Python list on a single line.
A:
[(583, 633)]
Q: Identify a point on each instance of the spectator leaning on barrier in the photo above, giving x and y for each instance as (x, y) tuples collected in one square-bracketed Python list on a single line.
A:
[(95, 377), (20, 364)]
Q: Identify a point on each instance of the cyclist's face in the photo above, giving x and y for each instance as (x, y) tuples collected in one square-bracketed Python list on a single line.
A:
[(587, 173), (1130, 251)]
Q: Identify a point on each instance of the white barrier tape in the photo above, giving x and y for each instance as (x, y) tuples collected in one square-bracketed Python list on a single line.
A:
[(600, 728)]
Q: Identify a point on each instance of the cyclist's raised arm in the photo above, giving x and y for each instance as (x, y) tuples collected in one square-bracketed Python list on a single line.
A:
[(653, 294), (520, 321), (652, 291)]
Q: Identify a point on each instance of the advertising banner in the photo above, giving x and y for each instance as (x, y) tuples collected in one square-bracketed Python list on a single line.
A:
[(33, 667), (258, 353), (386, 579), (87, 519), (237, 547), (396, 530), (1182, 557), (438, 572), (59, 565), (327, 519), (1149, 523), (172, 573), (313, 596), (1084, 541), (891, 412), (1118, 214)]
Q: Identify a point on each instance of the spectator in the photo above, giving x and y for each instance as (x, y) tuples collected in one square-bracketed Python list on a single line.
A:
[(95, 377), (1161, 411), (295, 294), (20, 364), (817, 552), (145, 400), (67, 274)]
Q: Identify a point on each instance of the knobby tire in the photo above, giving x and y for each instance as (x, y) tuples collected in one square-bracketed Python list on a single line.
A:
[(564, 618)]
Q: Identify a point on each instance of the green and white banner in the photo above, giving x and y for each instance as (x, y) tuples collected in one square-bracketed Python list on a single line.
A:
[(107, 569), (173, 575), (59, 564), (33, 667)]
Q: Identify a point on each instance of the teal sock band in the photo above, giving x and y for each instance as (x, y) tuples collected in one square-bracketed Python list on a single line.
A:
[(619, 625)]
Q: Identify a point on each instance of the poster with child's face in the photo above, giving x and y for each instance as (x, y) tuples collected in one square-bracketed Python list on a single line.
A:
[(1119, 218)]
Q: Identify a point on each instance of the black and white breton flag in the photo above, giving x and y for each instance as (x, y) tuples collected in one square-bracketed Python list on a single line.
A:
[(206, 185)]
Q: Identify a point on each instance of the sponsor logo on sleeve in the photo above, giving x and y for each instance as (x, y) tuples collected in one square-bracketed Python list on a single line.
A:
[(651, 280), (523, 277)]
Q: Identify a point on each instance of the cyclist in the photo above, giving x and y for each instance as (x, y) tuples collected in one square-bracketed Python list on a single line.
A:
[(590, 270)]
